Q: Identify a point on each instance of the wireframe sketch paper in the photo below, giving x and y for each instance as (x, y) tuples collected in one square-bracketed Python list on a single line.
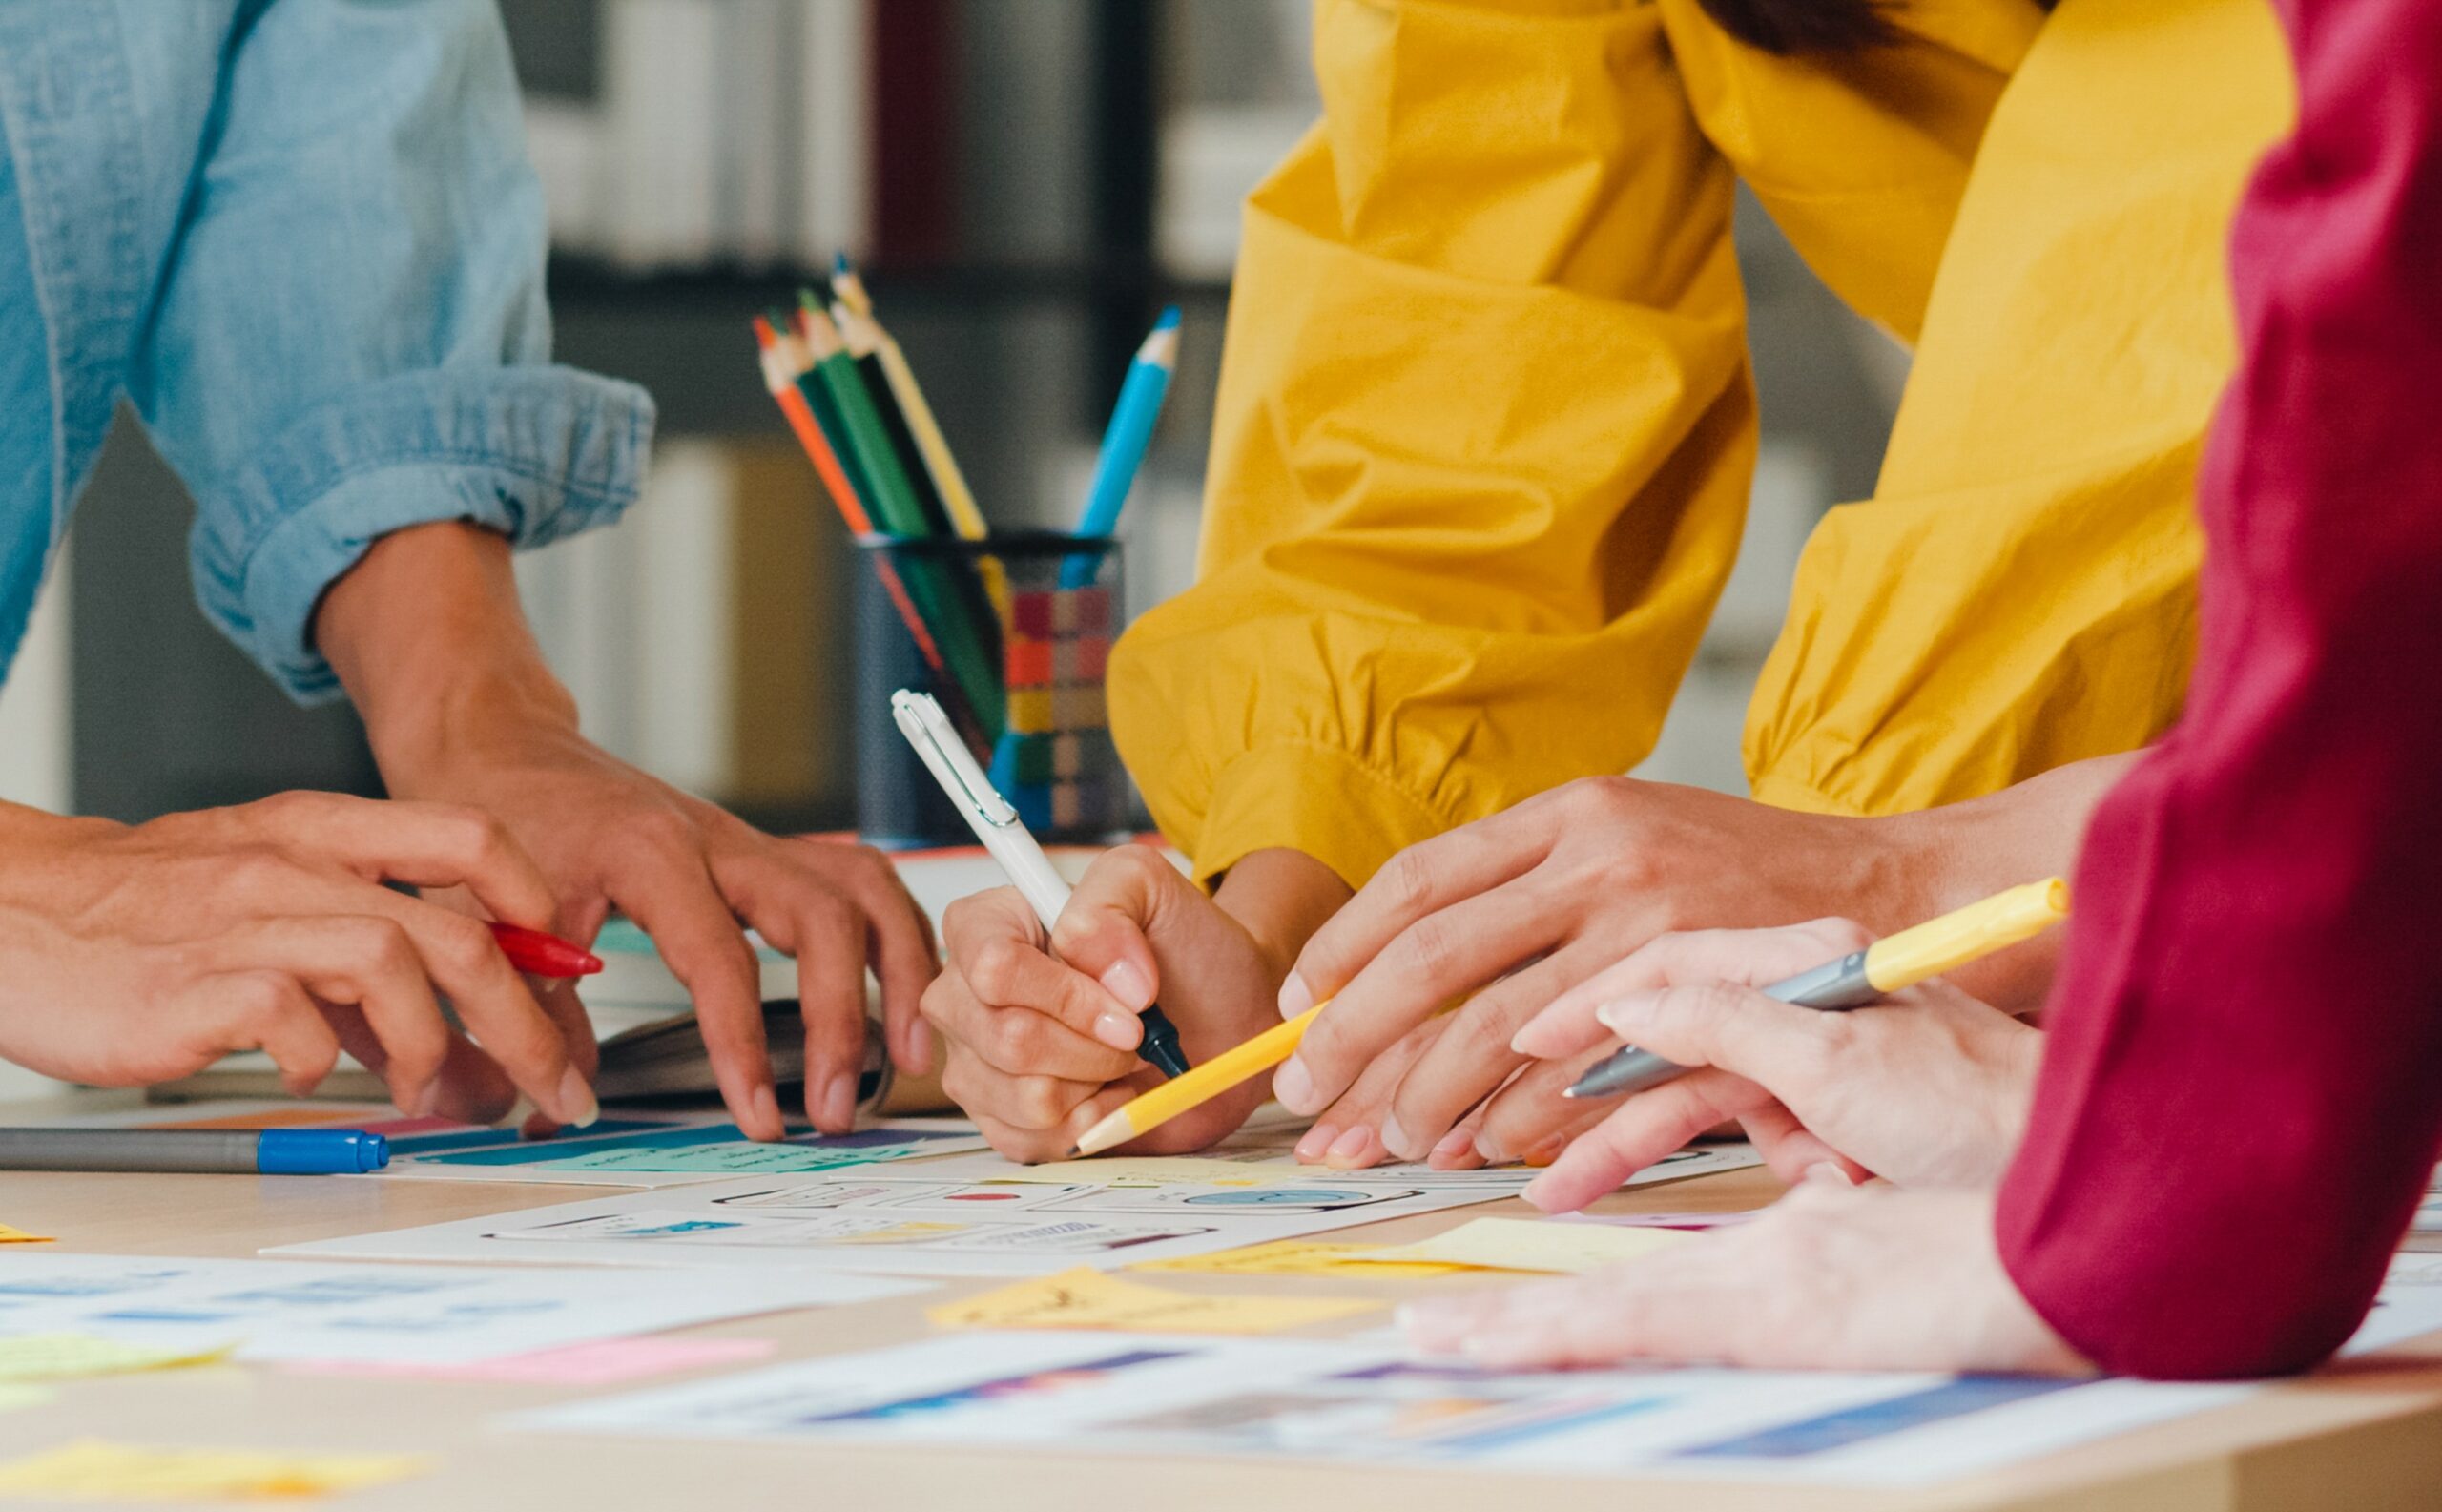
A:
[(1168, 1394), (426, 1314), (908, 1222)]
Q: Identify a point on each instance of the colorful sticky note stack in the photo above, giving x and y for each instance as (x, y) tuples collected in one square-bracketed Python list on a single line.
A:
[(1057, 765)]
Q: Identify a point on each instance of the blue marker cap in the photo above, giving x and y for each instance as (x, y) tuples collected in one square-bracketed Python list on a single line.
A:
[(319, 1152)]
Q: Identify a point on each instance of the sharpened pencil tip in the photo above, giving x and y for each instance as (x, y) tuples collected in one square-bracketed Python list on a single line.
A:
[(1073, 1154), (1169, 319), (840, 265)]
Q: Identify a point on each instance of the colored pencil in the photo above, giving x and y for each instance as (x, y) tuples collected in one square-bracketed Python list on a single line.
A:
[(1125, 438)]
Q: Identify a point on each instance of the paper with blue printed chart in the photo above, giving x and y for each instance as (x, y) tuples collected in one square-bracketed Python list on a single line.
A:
[(623, 1149), (1359, 1401), (390, 1313)]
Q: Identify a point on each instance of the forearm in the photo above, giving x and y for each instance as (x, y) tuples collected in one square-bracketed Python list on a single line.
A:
[(1950, 857), (427, 636)]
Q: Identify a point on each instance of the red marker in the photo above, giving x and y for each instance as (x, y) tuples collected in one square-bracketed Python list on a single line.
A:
[(540, 955)]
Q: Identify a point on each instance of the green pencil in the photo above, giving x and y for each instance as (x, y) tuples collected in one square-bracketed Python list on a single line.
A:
[(970, 654)]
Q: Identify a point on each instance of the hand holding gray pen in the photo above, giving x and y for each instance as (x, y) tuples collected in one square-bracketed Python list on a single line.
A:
[(1863, 976), (996, 824)]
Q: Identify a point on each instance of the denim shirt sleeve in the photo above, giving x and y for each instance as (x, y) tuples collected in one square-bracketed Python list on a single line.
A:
[(350, 335)]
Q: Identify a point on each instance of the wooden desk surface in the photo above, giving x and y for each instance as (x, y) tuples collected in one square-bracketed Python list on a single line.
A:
[(2367, 1437)]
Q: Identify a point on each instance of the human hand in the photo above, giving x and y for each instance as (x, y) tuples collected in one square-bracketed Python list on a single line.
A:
[(1513, 910), (1828, 1279), (426, 634), (609, 836), (142, 953), (1041, 1032), (1928, 1088)]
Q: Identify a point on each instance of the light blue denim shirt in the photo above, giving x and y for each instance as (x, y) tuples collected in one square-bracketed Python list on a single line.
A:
[(303, 237)]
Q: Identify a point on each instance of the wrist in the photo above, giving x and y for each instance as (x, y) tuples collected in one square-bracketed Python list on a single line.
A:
[(1280, 898), (426, 636)]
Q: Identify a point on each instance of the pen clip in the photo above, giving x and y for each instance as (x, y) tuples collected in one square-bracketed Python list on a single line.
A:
[(928, 730)]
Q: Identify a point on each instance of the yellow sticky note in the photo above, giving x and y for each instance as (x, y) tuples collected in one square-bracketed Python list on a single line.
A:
[(1303, 1257), (1087, 1298), (12, 1398), (64, 1356), (1530, 1244), (100, 1470), (9, 1235), (1153, 1169)]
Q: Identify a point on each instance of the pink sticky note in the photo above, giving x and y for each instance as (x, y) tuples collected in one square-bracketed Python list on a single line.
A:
[(603, 1363)]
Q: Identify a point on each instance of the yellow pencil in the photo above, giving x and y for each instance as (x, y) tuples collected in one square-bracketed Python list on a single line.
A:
[(957, 500), (1202, 1084)]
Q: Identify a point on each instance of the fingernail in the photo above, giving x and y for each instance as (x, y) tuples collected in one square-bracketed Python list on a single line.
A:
[(839, 1104), (1318, 1142), (1538, 1193), (1295, 997), (1488, 1149), (1620, 1013), (428, 1101), (1454, 1145), (1545, 1154), (1351, 1148), (1826, 1173), (1127, 981), (1293, 1086), (920, 1045), (578, 1105), (1119, 1030), (766, 1104), (1395, 1139)]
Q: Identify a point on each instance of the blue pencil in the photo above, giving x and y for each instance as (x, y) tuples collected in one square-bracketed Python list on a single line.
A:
[(1125, 441)]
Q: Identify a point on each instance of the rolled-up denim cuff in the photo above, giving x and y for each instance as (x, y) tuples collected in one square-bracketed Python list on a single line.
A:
[(536, 453)]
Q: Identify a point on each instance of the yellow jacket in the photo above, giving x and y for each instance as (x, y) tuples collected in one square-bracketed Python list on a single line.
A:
[(1485, 426)]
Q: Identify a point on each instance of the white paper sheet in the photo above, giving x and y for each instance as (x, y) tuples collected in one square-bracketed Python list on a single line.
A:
[(391, 1314), (1362, 1400), (902, 1223)]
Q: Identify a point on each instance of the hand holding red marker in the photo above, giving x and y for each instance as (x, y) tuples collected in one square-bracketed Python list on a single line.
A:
[(540, 955)]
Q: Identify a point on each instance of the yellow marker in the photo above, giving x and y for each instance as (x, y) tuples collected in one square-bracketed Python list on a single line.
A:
[(1201, 1085), (1861, 977)]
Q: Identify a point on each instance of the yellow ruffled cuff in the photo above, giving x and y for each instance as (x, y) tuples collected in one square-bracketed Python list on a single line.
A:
[(1310, 797)]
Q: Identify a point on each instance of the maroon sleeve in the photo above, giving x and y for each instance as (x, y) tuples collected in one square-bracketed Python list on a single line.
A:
[(2243, 1090)]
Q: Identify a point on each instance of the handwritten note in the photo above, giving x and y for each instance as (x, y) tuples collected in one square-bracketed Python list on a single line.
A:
[(9, 1235), (1532, 1243), (97, 1469), (66, 1357), (1304, 1257), (603, 1362), (1086, 1298)]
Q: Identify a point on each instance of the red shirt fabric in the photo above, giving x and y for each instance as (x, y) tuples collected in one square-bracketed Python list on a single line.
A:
[(2241, 1094)]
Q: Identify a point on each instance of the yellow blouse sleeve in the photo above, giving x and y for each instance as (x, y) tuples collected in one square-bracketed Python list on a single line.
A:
[(1861, 160), (1481, 445)]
